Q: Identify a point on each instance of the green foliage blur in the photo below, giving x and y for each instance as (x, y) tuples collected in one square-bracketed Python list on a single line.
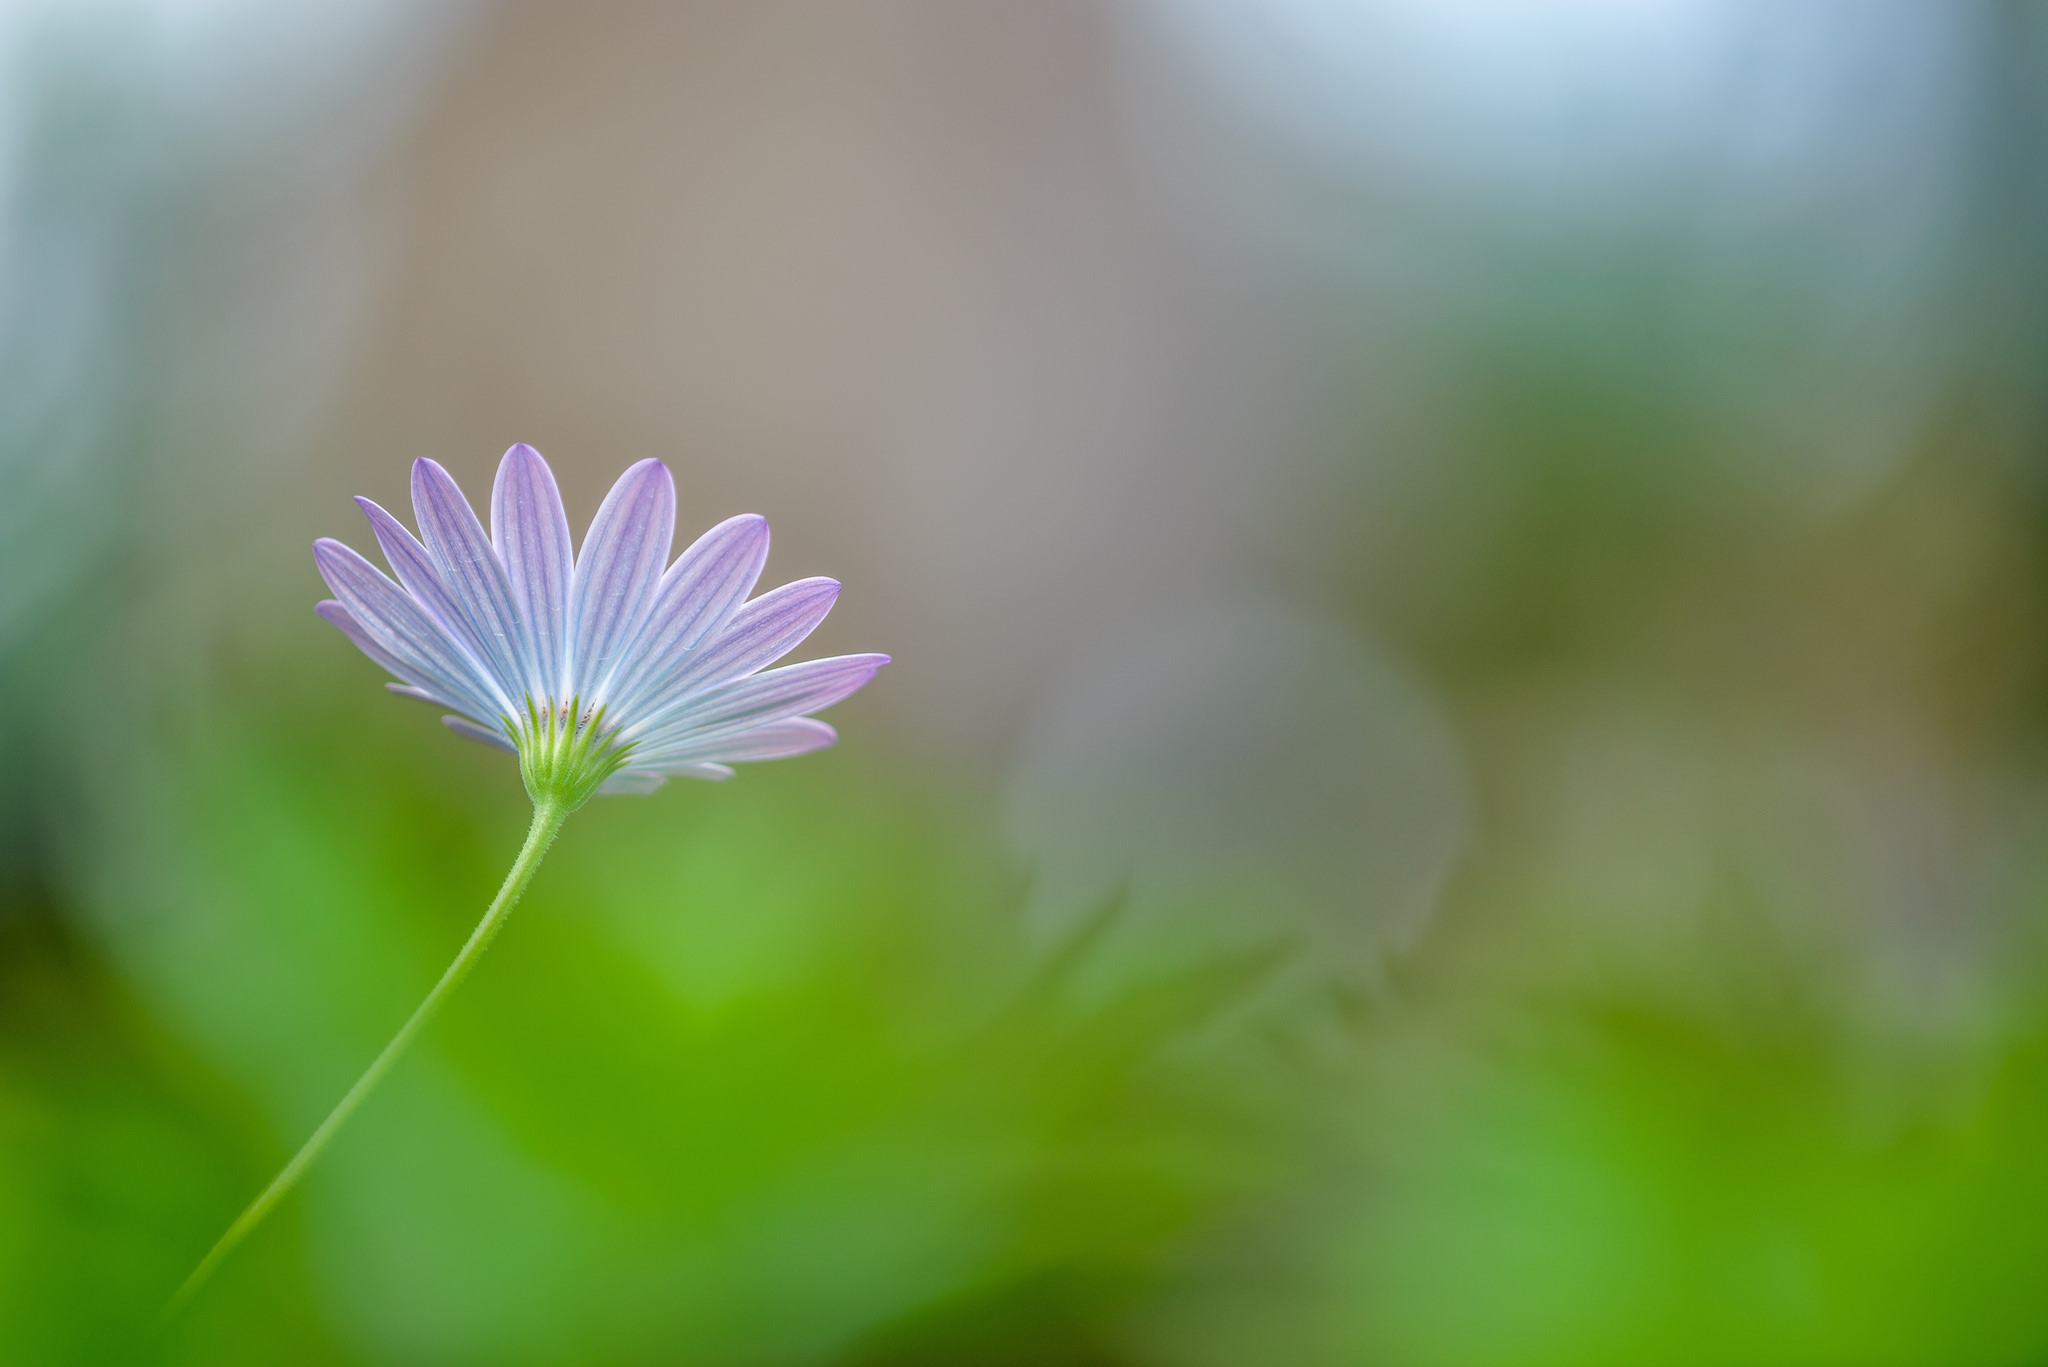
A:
[(767, 1074)]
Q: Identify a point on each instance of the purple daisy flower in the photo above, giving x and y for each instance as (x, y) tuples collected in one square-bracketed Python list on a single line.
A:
[(611, 671), (608, 672)]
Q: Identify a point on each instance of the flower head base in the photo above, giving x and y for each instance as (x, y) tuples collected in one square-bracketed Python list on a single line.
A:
[(608, 671), (565, 753)]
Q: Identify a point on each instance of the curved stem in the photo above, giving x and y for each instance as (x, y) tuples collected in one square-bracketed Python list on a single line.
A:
[(547, 820)]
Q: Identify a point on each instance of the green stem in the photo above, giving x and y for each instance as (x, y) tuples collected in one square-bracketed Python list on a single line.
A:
[(547, 820)]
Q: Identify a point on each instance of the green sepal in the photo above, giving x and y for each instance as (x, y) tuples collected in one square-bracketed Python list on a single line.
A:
[(564, 754)]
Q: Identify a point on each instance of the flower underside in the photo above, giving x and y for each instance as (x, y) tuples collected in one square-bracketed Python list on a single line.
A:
[(566, 752), (601, 669), (609, 669)]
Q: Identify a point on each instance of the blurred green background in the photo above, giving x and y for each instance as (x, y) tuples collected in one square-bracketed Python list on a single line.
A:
[(1465, 782)]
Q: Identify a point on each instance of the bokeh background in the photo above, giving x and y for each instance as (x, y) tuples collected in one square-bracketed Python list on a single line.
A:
[(1465, 782)]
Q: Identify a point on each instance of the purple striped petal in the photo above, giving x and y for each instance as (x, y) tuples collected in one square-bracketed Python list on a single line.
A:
[(339, 616), (697, 596), (531, 533), (618, 571), (489, 735), (415, 569), (757, 701), (777, 740), (716, 773), (332, 612), (406, 633), (759, 634), (475, 577)]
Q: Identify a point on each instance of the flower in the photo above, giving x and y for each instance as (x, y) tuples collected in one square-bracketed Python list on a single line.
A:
[(607, 673)]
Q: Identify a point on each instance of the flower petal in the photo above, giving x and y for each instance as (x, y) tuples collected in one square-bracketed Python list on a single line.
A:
[(475, 578), (641, 781), (777, 740), (489, 735), (531, 533), (756, 701), (416, 571), (716, 773), (696, 597), (759, 634), (617, 573), (422, 694), (388, 616), (332, 612)]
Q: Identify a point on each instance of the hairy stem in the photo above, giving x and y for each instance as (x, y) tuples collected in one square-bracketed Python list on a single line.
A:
[(547, 820)]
